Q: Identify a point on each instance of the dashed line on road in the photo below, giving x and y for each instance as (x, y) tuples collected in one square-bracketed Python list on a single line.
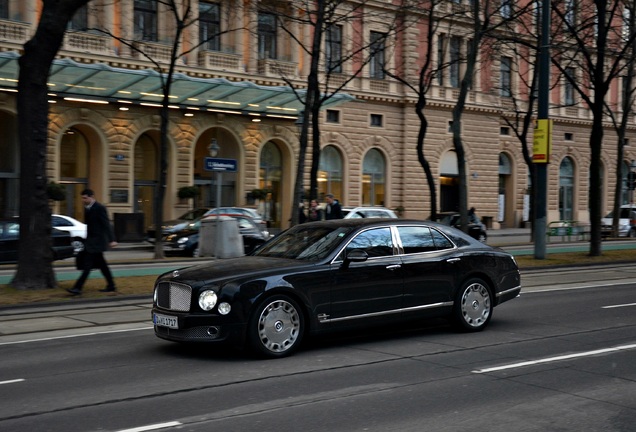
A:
[(618, 306), (12, 381), (73, 336), (556, 358), (152, 427)]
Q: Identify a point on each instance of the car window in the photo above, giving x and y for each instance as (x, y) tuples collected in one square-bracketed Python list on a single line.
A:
[(304, 243), (416, 239), (57, 221), (441, 241), (375, 242)]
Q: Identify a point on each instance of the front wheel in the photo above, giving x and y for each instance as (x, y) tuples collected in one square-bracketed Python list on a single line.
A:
[(276, 327), (473, 306)]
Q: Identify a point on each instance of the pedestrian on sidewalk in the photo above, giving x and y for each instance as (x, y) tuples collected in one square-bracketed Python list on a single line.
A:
[(99, 237), (333, 209)]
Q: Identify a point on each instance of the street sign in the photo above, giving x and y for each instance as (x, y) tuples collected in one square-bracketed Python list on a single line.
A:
[(220, 164)]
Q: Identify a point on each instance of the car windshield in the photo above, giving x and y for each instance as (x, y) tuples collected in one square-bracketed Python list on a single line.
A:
[(305, 243)]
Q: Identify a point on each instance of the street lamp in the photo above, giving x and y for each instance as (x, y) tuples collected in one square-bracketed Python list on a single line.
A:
[(214, 150)]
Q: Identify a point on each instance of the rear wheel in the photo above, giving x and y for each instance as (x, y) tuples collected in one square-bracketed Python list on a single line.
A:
[(276, 327), (473, 306)]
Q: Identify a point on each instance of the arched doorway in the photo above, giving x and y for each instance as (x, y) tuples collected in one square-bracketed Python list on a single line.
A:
[(9, 167), (373, 178), (330, 173), (449, 182), (75, 156), (566, 189), (205, 179), (146, 175), (271, 179)]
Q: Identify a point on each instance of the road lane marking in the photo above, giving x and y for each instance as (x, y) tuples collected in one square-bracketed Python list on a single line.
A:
[(74, 336), (12, 381), (618, 306), (152, 427), (556, 358)]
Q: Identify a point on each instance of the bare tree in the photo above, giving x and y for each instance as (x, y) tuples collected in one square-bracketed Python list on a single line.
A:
[(35, 270), (319, 18), (593, 47)]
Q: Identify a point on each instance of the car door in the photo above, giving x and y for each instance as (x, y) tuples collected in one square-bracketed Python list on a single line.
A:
[(428, 265), (370, 290)]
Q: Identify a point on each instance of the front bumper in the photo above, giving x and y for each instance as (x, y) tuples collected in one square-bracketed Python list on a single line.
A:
[(200, 328)]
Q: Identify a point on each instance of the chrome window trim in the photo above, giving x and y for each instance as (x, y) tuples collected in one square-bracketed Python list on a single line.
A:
[(383, 313)]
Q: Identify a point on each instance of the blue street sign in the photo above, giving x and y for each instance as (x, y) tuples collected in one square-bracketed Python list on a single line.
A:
[(220, 164)]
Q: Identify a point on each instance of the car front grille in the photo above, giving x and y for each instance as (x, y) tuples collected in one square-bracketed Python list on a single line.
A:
[(174, 296)]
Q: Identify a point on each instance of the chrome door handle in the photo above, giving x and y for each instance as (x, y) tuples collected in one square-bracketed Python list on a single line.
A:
[(393, 267), (453, 260)]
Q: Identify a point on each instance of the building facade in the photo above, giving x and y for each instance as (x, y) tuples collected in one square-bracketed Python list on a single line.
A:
[(110, 143)]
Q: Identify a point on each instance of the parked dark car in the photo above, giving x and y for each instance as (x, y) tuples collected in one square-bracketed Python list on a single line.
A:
[(186, 240), (176, 224), (10, 236), (335, 275), (477, 231)]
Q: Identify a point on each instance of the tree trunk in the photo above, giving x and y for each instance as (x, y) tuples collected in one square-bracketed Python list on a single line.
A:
[(35, 256)]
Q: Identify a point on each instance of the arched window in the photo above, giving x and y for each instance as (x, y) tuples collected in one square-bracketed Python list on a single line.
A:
[(373, 178), (330, 173), (566, 189)]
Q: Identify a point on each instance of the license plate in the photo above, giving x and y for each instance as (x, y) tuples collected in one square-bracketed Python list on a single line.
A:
[(166, 321)]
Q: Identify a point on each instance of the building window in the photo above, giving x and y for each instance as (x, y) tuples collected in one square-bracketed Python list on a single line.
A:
[(566, 189), (373, 169), (376, 66), (333, 116), (210, 26), (568, 136), (455, 46), (267, 30), (506, 77), (570, 13), (504, 130), (506, 8), (376, 120), (330, 173), (440, 59), (333, 49), (145, 26), (79, 20), (4, 9), (569, 87)]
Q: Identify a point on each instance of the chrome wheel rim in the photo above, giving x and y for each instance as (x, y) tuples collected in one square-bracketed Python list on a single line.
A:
[(475, 305), (279, 326)]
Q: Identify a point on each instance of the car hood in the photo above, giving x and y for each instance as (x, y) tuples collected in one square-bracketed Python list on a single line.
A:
[(234, 268), (608, 221)]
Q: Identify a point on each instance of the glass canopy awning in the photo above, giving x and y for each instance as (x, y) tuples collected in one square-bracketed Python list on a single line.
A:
[(100, 83)]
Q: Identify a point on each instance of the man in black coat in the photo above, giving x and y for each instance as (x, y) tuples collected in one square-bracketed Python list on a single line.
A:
[(99, 237), (333, 209)]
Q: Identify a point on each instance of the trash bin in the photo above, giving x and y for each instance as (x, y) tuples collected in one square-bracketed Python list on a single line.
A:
[(487, 220), (129, 227)]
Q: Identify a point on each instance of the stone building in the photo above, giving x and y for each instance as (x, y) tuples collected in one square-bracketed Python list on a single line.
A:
[(104, 121)]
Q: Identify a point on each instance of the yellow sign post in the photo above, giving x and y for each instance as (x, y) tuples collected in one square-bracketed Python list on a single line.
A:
[(542, 142)]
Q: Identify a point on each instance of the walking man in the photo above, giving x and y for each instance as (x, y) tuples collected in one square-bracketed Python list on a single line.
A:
[(333, 209), (99, 237)]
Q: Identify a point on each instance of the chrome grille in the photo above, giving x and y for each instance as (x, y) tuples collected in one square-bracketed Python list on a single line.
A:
[(174, 296)]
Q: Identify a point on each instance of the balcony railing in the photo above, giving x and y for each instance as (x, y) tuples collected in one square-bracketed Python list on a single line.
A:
[(88, 43), (157, 51), (217, 60), (12, 31), (273, 67)]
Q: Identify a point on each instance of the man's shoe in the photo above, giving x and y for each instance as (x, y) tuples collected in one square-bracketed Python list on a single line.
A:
[(108, 289), (74, 291)]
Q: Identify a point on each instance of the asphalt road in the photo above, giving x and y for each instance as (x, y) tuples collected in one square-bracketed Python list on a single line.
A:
[(562, 357)]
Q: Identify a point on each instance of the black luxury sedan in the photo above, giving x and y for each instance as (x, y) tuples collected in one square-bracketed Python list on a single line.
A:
[(186, 241), (335, 275), (10, 238)]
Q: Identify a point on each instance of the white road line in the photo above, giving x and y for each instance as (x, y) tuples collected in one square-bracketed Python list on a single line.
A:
[(73, 336), (618, 306), (12, 381), (152, 427), (555, 359)]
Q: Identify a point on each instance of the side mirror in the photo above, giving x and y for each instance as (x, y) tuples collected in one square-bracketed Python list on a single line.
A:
[(357, 255)]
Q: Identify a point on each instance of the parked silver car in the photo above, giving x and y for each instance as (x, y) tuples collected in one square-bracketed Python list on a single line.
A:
[(626, 222), (368, 212)]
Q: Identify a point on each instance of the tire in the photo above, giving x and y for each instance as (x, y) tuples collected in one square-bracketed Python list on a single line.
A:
[(276, 327), (632, 233), (473, 306), (483, 237), (78, 244), (196, 252)]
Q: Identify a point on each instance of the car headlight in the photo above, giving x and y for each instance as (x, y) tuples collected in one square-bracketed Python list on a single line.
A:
[(207, 300), (224, 308), (182, 240)]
